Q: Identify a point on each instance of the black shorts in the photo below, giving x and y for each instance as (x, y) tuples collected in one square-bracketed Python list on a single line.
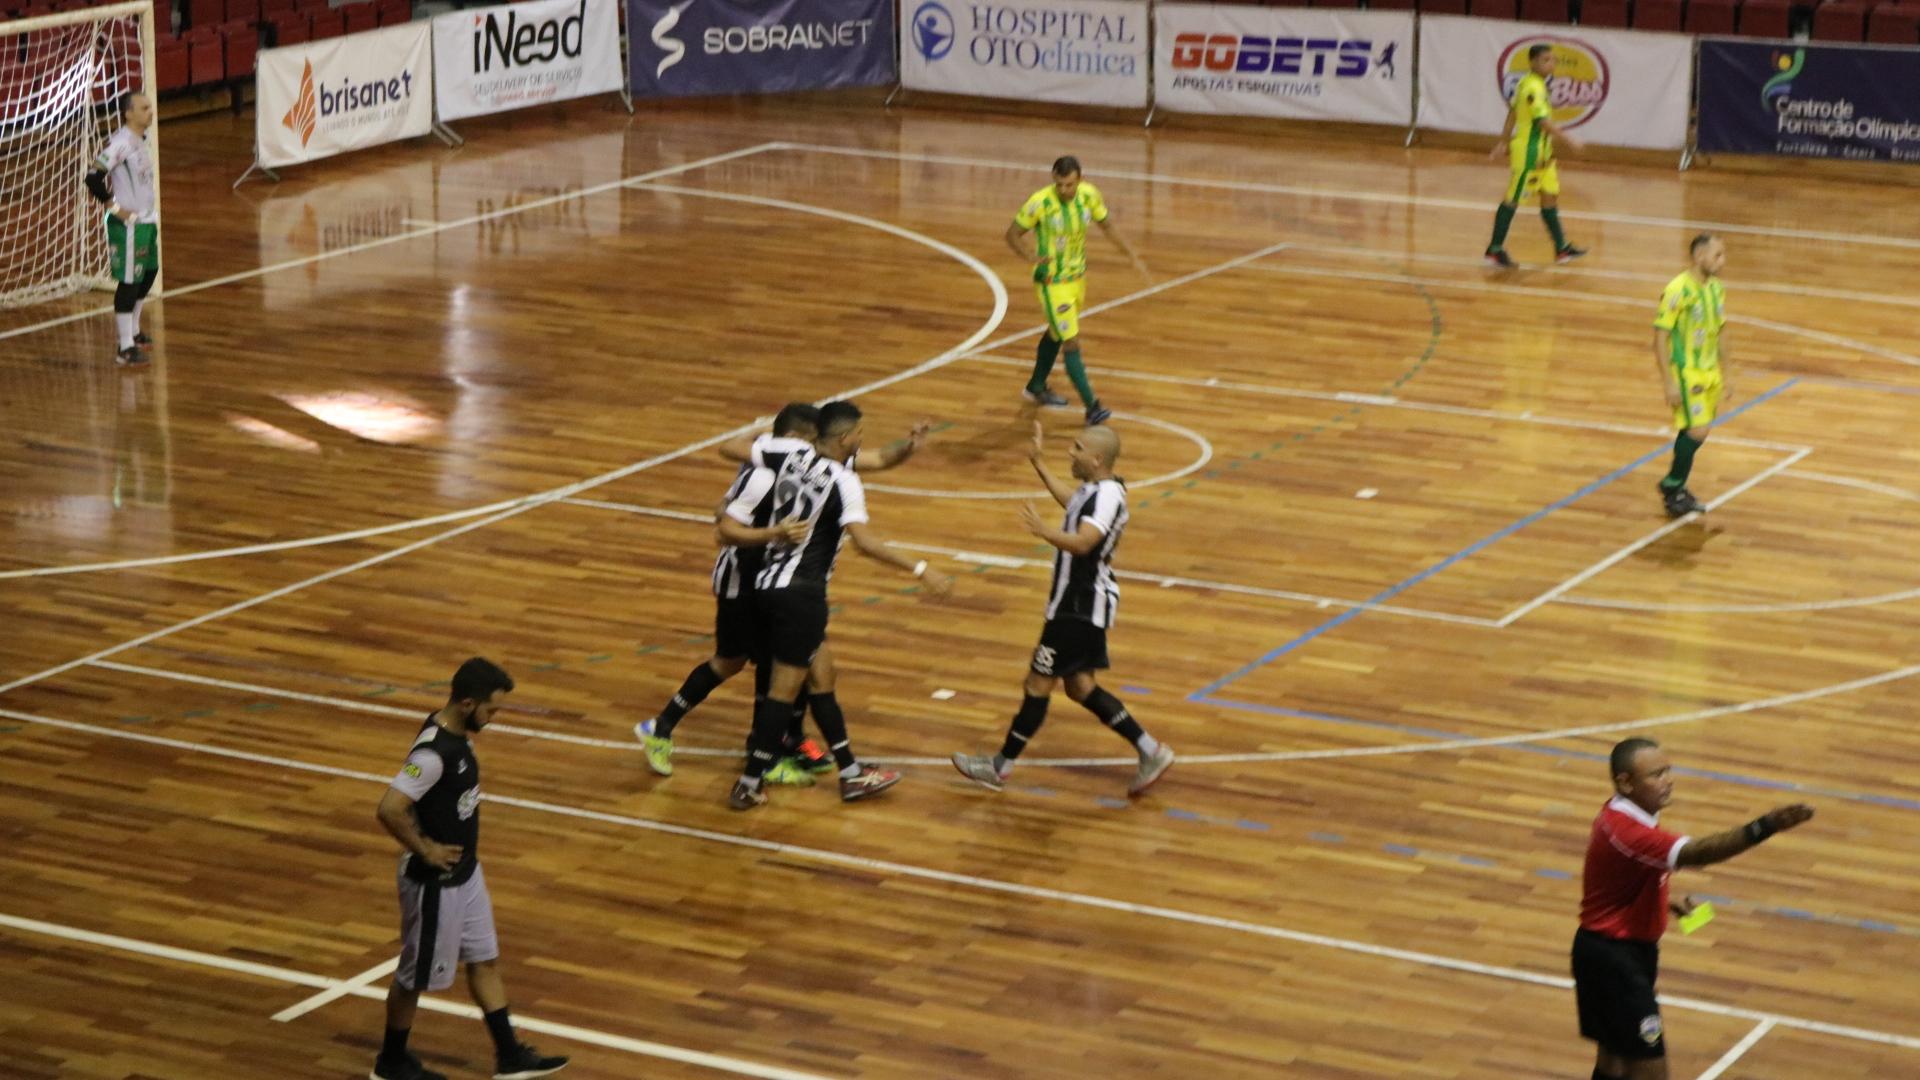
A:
[(1070, 646), (736, 627), (793, 624), (1613, 989)]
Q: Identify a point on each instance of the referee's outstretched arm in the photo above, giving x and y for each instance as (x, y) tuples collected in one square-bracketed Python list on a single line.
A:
[(1722, 846)]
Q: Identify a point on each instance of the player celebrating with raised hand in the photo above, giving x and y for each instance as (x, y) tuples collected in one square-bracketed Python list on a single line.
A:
[(1060, 213)]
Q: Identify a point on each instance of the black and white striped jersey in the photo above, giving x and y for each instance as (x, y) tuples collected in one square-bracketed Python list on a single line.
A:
[(1083, 585), (735, 568), (827, 496)]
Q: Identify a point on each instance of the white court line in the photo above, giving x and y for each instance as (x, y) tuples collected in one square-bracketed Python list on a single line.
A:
[(368, 245), (1349, 397), (1206, 455), (994, 885), (1610, 561), (587, 1036), (651, 511), (1477, 261), (1350, 195), (1591, 298), (327, 997), (993, 321), (1739, 1050)]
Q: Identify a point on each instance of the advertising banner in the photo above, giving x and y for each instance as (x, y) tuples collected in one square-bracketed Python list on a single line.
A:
[(1611, 87), (1086, 52), (1806, 100), (1286, 62), (489, 60), (694, 47), (345, 93)]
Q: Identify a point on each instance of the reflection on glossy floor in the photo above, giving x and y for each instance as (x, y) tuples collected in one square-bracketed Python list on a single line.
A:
[(423, 402)]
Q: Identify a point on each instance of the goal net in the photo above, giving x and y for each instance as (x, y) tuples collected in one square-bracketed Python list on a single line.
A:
[(61, 78)]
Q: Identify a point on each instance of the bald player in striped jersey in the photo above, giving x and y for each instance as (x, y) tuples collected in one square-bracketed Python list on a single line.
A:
[(1080, 608)]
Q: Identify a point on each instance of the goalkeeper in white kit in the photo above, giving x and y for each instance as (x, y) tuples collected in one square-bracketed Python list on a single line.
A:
[(122, 179)]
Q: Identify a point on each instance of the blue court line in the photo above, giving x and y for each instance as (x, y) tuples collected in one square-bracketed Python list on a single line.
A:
[(1203, 694)]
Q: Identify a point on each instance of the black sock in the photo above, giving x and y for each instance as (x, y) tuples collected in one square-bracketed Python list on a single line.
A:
[(762, 677), (1684, 447), (125, 295), (394, 1046), (1552, 218), (797, 727), (501, 1028), (1598, 1075), (1043, 358), (833, 726), (1026, 724), (1115, 715), (701, 681), (1502, 220), (763, 746)]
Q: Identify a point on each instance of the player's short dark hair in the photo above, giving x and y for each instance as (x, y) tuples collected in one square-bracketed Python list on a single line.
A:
[(837, 416), (125, 101), (1535, 52), (793, 417), (1624, 751), (479, 679), (1066, 166), (1699, 242)]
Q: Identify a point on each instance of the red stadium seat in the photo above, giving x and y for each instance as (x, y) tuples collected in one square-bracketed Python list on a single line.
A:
[(1840, 20), (328, 24), (206, 12), (1546, 11), (1443, 7), (1891, 25), (312, 5), (1390, 5), (360, 17), (243, 44), (270, 8), (1710, 16), (291, 28), (247, 11), (1494, 9), (1766, 18), (170, 59), (205, 62), (1656, 14), (395, 12), (1604, 13)]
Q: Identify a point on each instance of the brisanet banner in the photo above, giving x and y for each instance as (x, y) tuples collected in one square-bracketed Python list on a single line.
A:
[(1806, 100), (1086, 52), (1286, 62), (345, 93), (489, 60), (694, 47), (1612, 87)]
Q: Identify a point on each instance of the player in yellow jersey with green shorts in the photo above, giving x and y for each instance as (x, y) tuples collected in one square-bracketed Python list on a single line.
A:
[(1060, 214), (1527, 143), (1689, 352)]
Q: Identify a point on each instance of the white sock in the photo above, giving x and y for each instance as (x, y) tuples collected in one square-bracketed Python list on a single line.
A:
[(1148, 745), (138, 306), (125, 325), (1002, 766), (752, 782), (850, 771)]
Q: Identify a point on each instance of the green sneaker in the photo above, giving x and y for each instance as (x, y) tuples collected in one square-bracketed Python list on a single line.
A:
[(789, 771), (659, 750)]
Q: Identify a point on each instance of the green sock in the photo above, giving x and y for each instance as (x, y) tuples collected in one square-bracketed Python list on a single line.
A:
[(1684, 447), (1043, 362), (1502, 221), (1078, 373), (1552, 218)]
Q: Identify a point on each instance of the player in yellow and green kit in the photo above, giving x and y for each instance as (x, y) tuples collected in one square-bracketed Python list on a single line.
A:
[(1688, 352), (1060, 214), (1527, 142)]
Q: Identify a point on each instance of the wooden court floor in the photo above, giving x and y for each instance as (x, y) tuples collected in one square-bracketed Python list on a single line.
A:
[(1396, 580)]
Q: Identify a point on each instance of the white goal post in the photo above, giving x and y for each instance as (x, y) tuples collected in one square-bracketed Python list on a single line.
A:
[(61, 78)]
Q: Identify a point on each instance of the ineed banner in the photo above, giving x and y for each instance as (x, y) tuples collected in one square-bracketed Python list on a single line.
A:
[(1806, 100), (1087, 52), (1286, 62), (343, 94), (696, 47), (1611, 87), (489, 60)]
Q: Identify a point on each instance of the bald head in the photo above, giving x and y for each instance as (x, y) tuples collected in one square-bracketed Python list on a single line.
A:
[(1103, 443)]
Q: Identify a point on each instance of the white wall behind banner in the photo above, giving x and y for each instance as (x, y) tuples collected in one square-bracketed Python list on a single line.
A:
[(1285, 62), (489, 60), (1612, 87), (1088, 52), (343, 94)]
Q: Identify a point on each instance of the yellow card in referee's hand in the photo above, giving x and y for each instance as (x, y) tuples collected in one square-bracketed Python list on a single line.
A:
[(1701, 915)]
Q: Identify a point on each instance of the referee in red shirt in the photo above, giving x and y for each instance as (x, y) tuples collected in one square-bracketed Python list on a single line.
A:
[(1624, 905)]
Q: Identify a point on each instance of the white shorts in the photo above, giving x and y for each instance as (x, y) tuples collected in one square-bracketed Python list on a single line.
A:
[(454, 921)]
